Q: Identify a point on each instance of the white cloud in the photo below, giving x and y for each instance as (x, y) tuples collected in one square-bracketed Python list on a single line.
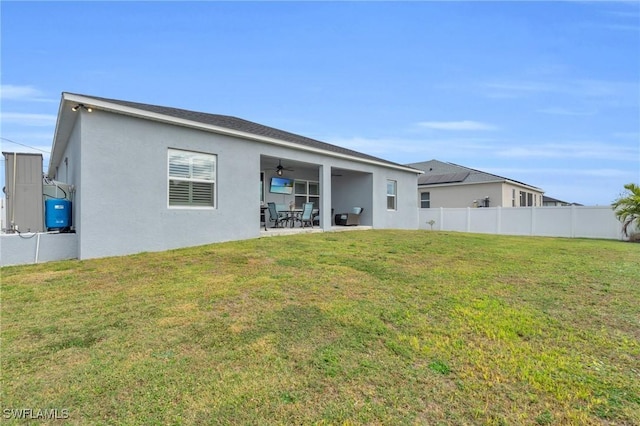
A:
[(408, 150), (617, 92), (377, 147), (621, 27), (509, 89), (463, 125), (555, 172), (584, 150), (565, 111), (627, 135), (33, 141), (39, 134), (468, 150), (22, 93), (26, 119), (10, 146)]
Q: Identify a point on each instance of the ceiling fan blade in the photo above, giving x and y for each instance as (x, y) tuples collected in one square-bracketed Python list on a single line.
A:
[(281, 167)]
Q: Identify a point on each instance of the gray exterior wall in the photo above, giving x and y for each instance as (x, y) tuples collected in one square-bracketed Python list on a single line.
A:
[(119, 164), (123, 189), (406, 214)]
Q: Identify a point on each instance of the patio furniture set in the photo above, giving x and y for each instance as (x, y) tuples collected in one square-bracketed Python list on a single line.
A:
[(281, 216)]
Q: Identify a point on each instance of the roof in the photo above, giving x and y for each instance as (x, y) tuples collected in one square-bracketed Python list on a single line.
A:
[(216, 122), (440, 173), (546, 199)]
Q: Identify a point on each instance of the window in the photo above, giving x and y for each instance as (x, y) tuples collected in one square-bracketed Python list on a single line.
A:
[(306, 192), (529, 199), (513, 198), (425, 200), (391, 194), (192, 179)]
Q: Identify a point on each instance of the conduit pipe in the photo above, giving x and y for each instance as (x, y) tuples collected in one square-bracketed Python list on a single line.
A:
[(13, 194), (38, 243), (37, 247)]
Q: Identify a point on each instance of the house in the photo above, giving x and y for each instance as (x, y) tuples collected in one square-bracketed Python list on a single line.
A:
[(150, 178), (450, 185)]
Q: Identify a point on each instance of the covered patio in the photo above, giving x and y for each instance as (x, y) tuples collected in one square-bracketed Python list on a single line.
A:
[(289, 183)]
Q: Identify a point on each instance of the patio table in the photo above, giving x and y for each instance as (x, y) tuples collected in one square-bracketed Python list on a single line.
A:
[(291, 215)]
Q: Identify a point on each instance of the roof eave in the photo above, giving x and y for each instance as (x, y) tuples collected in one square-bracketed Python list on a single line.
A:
[(64, 124)]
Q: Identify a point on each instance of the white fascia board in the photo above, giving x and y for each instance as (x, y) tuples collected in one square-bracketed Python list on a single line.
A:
[(135, 112), (60, 135)]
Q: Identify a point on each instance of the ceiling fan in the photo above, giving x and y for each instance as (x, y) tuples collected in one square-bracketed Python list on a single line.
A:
[(280, 168)]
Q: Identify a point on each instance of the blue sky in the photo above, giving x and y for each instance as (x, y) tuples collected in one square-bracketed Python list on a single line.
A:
[(547, 93)]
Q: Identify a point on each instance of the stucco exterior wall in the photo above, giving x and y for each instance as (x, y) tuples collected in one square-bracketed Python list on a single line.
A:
[(456, 196), (119, 166), (509, 200), (405, 216), (36, 248), (462, 195), (68, 171), (124, 187)]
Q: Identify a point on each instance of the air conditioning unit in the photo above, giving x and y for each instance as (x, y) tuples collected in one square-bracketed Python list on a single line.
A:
[(23, 191)]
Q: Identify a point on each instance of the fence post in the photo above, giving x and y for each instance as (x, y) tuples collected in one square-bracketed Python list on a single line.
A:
[(573, 221), (533, 220), (468, 219), (498, 220), (441, 218)]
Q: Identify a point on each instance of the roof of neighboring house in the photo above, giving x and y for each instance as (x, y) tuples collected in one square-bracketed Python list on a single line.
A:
[(441, 173), (546, 199), (239, 126)]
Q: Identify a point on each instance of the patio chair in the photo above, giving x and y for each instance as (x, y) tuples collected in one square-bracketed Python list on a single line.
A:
[(307, 215), (275, 217), (349, 219)]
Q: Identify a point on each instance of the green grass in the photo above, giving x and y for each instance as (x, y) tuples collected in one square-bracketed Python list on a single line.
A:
[(373, 327)]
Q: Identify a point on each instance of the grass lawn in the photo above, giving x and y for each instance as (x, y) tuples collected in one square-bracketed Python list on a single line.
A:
[(371, 327)]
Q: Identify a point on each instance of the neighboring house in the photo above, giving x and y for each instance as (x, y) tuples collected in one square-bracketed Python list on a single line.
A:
[(151, 178), (450, 185)]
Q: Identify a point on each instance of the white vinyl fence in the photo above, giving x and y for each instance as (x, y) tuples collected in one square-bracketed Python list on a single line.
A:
[(570, 221)]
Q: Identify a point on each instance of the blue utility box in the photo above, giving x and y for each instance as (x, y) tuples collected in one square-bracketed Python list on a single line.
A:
[(57, 214)]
